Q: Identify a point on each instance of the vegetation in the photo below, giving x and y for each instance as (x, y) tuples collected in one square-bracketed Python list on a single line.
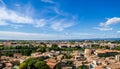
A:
[(9, 54), (27, 50), (55, 47), (42, 49), (34, 64), (69, 62), (1, 47), (117, 48), (67, 56)]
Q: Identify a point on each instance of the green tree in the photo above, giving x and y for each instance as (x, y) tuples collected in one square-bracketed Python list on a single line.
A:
[(9, 54), (69, 62), (23, 65), (31, 64), (117, 48), (27, 52), (40, 59), (42, 49), (80, 67), (83, 67), (55, 47), (34, 64), (67, 56), (57, 67), (41, 65), (1, 47)]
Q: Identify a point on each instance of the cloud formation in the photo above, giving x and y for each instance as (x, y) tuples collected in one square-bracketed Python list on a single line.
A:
[(23, 35), (9, 16), (2, 3), (15, 19), (47, 1), (38, 36), (118, 31), (111, 21), (105, 26), (60, 25)]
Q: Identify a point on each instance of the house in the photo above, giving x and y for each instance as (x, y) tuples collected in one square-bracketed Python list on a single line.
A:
[(51, 63), (17, 55), (113, 66)]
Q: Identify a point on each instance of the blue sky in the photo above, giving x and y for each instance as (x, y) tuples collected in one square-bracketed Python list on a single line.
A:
[(59, 19)]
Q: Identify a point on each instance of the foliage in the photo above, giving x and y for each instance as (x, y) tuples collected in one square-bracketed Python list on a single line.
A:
[(83, 67), (55, 47), (57, 67), (34, 64), (9, 54), (117, 48), (41, 49), (67, 56), (41, 65), (40, 59), (69, 62), (23, 65), (27, 50), (1, 47)]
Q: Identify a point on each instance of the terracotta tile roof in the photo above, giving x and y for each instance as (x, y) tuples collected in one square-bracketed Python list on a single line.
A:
[(51, 63), (9, 64), (99, 67)]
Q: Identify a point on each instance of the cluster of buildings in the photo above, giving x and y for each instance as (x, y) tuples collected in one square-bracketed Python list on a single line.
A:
[(99, 61), (91, 58), (85, 43)]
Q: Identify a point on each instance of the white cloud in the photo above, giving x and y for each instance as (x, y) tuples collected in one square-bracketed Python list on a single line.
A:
[(2, 3), (15, 26), (45, 36), (23, 35), (2, 23), (58, 11), (47, 1), (35, 36), (8, 16), (17, 5), (61, 25), (41, 23), (16, 19), (41, 36), (81, 33), (111, 21), (103, 28), (118, 31)]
